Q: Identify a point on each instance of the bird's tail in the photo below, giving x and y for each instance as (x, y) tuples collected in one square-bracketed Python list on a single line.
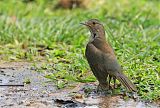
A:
[(126, 82)]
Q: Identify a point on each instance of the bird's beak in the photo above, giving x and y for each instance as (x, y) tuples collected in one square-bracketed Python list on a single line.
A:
[(84, 23)]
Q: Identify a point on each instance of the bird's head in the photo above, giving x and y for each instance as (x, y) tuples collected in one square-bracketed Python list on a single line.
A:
[(96, 28)]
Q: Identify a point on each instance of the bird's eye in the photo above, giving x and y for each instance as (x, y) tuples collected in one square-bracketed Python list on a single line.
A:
[(94, 23)]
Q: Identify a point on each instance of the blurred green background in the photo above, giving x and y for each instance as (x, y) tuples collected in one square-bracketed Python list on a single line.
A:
[(36, 31)]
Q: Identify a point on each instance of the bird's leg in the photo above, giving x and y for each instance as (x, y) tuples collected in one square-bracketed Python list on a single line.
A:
[(103, 83), (102, 87), (110, 77), (114, 79)]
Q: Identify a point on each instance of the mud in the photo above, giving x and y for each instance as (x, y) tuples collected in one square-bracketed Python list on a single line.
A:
[(33, 95), (23, 87)]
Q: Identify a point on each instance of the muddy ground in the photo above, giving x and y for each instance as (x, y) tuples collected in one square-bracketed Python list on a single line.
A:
[(23, 87)]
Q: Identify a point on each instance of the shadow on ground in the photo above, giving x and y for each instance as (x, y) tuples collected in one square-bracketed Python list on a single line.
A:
[(39, 93)]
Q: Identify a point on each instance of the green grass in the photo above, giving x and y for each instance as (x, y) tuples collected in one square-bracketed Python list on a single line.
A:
[(36, 32)]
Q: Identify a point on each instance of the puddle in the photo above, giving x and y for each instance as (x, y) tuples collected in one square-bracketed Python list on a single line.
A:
[(76, 98), (34, 94), (39, 94)]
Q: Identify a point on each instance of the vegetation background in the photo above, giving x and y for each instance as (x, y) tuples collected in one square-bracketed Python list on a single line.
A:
[(32, 30)]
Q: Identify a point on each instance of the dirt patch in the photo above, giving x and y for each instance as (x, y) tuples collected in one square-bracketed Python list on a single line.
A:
[(39, 93)]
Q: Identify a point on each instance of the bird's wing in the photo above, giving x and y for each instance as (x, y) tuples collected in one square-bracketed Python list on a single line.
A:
[(94, 59), (107, 56), (109, 63)]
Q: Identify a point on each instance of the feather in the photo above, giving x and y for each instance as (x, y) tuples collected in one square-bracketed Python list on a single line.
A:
[(126, 82)]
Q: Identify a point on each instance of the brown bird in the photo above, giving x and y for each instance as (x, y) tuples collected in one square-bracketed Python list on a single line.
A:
[(102, 59)]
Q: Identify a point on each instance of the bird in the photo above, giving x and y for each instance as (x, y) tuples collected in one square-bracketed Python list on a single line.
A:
[(102, 59)]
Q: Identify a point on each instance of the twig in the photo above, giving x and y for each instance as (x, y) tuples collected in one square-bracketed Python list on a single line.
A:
[(13, 85)]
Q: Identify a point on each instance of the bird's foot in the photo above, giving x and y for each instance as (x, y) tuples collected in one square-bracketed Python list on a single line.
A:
[(112, 87), (103, 89)]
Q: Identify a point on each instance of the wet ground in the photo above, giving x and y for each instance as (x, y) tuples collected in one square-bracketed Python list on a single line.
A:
[(22, 87)]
